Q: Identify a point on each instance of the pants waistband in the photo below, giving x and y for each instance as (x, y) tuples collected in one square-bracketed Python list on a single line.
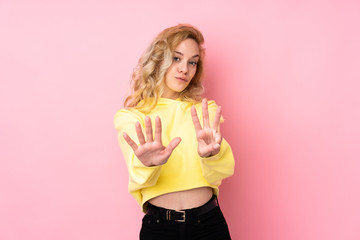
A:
[(182, 215)]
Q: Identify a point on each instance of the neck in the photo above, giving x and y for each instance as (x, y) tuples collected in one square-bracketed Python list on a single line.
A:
[(171, 96)]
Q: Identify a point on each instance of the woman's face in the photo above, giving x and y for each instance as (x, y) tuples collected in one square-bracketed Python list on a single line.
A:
[(185, 58)]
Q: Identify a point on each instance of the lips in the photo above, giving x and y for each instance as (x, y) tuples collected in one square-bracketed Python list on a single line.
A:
[(181, 79)]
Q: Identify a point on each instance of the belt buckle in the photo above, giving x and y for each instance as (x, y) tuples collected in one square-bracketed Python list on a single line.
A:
[(168, 215), (183, 216)]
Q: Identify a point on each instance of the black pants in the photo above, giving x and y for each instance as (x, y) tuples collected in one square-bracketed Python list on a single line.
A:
[(208, 226)]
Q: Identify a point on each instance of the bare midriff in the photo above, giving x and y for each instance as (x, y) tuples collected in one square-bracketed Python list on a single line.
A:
[(183, 199)]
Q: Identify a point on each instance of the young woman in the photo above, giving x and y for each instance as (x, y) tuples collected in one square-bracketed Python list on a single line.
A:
[(176, 158)]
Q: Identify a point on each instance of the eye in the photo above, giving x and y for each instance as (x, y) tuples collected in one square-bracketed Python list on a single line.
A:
[(193, 63), (176, 59)]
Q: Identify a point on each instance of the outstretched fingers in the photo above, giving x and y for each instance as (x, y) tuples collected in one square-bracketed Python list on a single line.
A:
[(172, 145), (148, 129), (216, 123), (205, 113), (139, 133), (195, 119), (132, 144), (158, 130)]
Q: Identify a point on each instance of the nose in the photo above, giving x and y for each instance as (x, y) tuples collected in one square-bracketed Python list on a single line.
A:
[(183, 68)]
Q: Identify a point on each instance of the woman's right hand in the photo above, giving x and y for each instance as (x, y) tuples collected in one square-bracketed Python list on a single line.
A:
[(151, 152)]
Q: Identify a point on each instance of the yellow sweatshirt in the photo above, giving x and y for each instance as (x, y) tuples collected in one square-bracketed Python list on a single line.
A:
[(185, 169)]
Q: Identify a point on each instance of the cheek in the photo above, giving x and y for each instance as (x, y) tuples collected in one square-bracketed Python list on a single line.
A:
[(169, 72), (172, 67), (193, 72)]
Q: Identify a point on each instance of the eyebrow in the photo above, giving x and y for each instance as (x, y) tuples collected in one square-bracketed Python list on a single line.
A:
[(197, 55)]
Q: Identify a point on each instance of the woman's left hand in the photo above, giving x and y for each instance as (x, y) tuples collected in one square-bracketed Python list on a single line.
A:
[(209, 137)]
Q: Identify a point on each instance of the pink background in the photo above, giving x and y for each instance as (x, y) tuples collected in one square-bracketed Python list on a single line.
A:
[(286, 73)]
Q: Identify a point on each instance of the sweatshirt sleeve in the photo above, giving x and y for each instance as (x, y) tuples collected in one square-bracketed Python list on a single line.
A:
[(221, 165), (140, 176)]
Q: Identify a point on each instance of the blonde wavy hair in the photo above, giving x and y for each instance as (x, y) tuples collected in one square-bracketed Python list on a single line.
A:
[(147, 84)]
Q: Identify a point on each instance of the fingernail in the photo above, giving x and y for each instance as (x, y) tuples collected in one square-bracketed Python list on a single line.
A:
[(216, 146)]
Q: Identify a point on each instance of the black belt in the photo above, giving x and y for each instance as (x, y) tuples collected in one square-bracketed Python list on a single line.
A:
[(182, 215)]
